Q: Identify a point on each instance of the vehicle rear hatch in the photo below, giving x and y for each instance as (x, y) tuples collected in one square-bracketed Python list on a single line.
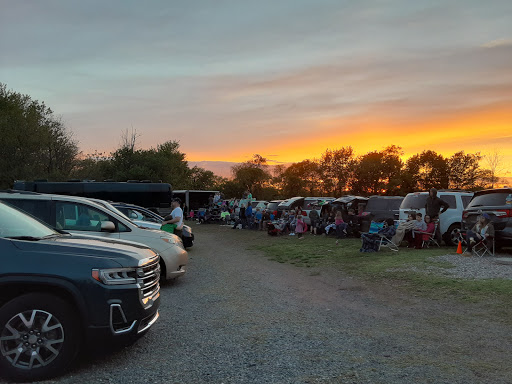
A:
[(494, 203)]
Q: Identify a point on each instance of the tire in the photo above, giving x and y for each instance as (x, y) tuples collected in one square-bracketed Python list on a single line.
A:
[(46, 328), (163, 272), (451, 237)]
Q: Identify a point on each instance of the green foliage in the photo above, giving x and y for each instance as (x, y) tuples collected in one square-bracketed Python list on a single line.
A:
[(33, 141), (302, 179), (464, 170), (336, 167), (426, 170), (378, 172), (252, 175)]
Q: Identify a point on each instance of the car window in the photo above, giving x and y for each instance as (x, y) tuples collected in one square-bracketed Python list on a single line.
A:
[(133, 214), (122, 228), (37, 208), (272, 206), (15, 223), (79, 217), (146, 216), (466, 200), (311, 204), (489, 199), (376, 204), (450, 199), (414, 201)]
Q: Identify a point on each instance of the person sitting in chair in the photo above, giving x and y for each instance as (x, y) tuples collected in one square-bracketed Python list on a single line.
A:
[(480, 231), (371, 241), (421, 236)]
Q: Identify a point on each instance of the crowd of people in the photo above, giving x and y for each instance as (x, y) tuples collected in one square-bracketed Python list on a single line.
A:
[(417, 231)]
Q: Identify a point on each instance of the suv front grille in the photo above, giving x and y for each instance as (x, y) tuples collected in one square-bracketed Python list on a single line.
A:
[(148, 277)]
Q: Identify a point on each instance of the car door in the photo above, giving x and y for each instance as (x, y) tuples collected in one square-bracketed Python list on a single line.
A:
[(452, 214), (84, 219)]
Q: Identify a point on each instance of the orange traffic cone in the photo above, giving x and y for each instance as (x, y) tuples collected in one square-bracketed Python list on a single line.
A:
[(459, 248)]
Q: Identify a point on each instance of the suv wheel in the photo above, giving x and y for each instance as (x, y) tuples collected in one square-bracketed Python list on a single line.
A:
[(38, 336), (452, 236)]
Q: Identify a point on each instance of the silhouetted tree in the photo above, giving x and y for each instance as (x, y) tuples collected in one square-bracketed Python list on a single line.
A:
[(336, 168)]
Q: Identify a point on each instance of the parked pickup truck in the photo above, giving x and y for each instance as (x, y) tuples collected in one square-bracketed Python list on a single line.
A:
[(58, 292)]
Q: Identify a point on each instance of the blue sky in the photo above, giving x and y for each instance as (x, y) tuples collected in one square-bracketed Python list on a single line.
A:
[(288, 78)]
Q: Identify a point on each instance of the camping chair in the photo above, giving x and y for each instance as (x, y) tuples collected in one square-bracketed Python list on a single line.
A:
[(429, 239), (387, 242), (384, 240), (485, 246)]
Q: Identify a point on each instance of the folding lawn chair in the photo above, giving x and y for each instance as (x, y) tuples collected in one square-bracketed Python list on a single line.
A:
[(431, 240), (485, 246), (387, 242)]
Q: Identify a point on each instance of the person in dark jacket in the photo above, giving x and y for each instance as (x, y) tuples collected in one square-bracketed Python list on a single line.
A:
[(243, 218), (434, 204), (433, 207)]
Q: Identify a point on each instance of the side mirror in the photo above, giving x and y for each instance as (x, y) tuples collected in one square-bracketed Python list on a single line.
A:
[(107, 226), (133, 215)]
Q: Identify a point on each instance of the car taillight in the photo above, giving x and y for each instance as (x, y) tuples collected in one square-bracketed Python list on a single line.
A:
[(465, 214), (503, 213)]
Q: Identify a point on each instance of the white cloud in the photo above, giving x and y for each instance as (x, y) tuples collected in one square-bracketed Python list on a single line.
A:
[(498, 43)]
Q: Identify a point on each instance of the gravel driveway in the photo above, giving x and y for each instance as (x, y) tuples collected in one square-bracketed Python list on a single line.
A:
[(237, 317)]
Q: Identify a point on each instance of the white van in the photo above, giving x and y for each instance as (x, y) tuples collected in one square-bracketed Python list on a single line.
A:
[(79, 215), (450, 220)]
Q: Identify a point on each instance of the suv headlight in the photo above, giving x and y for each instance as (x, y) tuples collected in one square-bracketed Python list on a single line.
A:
[(115, 276)]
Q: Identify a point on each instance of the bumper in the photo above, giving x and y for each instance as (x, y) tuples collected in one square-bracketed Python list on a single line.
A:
[(175, 259), (120, 329), (119, 313)]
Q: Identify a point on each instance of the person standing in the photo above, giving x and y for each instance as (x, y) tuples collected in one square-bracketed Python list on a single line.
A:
[(300, 226), (433, 207), (313, 219), (248, 215), (242, 216), (176, 216)]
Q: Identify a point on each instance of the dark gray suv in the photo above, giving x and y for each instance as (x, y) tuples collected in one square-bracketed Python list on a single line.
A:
[(498, 204)]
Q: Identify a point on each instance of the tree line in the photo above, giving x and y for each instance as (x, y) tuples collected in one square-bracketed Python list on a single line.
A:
[(35, 144), (340, 171)]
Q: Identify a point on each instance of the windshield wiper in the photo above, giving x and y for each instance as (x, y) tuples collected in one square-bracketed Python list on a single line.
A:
[(54, 235), (28, 238)]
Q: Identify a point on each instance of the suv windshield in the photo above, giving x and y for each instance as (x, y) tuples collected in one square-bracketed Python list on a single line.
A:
[(272, 206), (489, 199), (414, 201), (14, 223), (383, 204)]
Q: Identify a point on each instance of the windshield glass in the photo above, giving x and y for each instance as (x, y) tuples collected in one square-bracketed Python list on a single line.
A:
[(272, 206), (414, 201), (110, 207), (490, 199), (14, 223), (383, 204)]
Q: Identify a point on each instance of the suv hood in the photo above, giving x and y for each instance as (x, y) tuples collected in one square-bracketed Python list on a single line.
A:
[(125, 253)]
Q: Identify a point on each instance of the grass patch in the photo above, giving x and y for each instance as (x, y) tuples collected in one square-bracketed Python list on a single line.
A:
[(408, 268)]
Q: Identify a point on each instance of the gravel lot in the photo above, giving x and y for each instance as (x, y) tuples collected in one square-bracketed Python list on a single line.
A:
[(237, 317)]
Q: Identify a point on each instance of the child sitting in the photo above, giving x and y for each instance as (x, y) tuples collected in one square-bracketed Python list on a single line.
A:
[(422, 236), (419, 226)]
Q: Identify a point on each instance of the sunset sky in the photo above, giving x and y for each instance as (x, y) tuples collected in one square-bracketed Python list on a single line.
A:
[(283, 78)]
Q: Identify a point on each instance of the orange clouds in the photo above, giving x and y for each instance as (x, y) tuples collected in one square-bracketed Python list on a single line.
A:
[(479, 130)]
